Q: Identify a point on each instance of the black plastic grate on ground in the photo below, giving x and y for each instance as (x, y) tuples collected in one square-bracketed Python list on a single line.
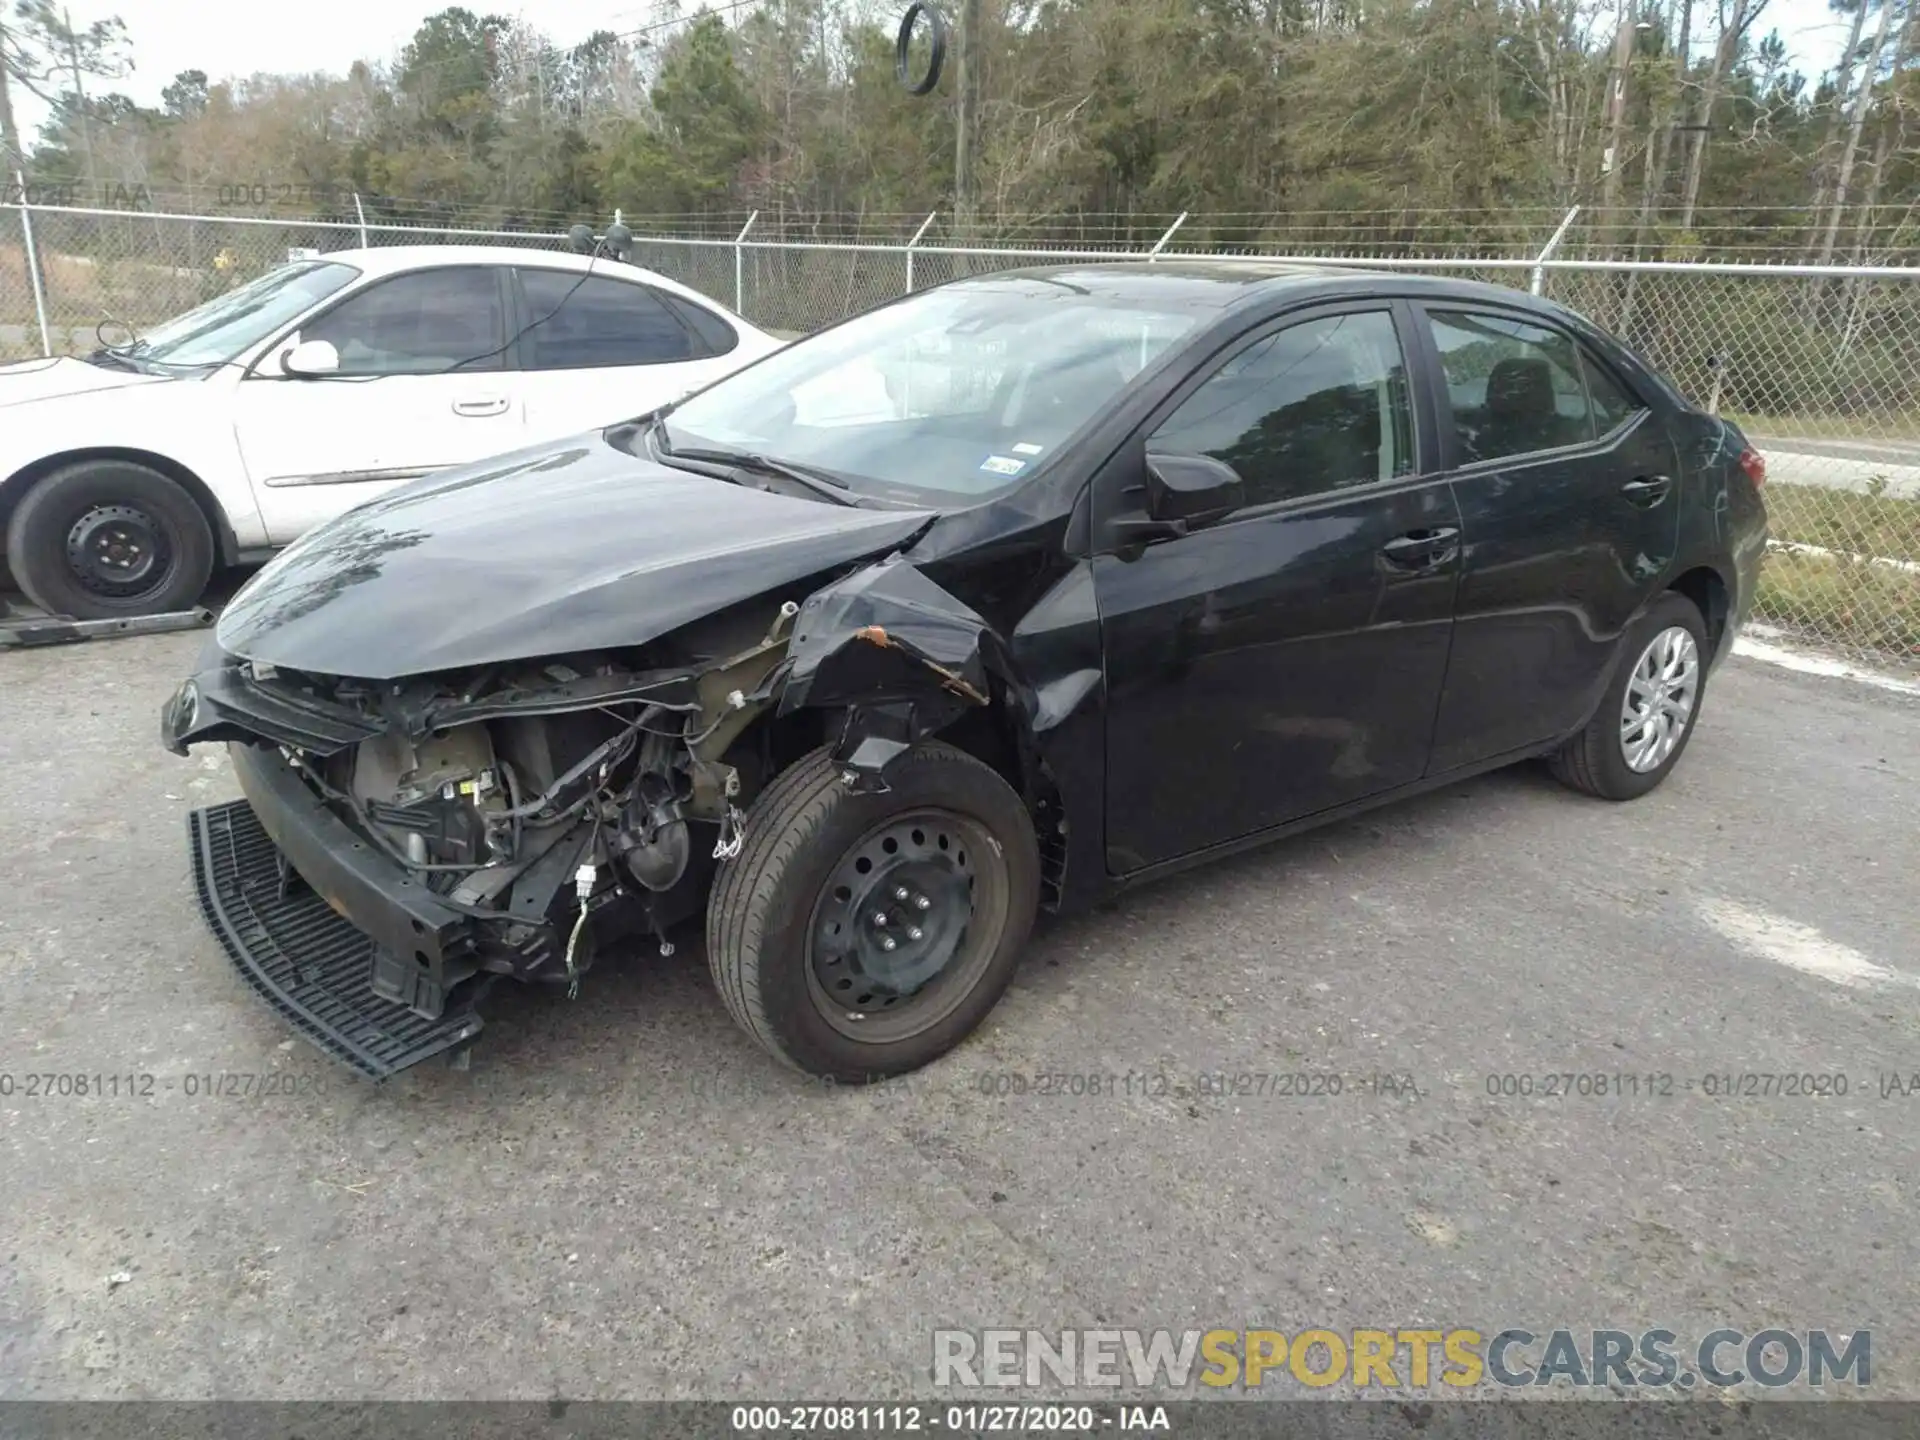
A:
[(303, 959)]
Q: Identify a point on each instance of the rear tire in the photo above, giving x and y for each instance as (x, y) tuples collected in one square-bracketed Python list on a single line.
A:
[(796, 921), (109, 539), (1626, 751)]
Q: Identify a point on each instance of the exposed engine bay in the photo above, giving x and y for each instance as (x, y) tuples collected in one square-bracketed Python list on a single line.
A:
[(566, 802), (519, 818)]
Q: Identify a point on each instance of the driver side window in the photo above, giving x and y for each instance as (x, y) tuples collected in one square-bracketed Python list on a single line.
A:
[(424, 323), (1313, 408)]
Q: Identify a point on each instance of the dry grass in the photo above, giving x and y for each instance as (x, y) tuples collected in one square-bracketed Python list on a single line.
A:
[(80, 290), (1854, 523), (1844, 598), (1860, 607)]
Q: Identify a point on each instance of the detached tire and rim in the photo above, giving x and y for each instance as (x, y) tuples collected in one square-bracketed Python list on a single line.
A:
[(862, 936), (1643, 724), (107, 539)]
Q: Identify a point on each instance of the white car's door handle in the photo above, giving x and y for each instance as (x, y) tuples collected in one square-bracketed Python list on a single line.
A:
[(492, 405)]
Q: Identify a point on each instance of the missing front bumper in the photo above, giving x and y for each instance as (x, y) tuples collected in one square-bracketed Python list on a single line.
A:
[(306, 961)]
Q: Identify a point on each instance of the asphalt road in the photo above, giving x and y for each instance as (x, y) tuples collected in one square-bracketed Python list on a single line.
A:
[(622, 1198), (1905, 453), (1856, 464)]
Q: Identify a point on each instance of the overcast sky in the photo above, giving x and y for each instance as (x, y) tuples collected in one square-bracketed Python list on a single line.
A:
[(241, 37)]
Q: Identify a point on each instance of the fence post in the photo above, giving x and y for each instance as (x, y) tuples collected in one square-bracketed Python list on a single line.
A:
[(739, 267), (1540, 275), (1162, 243), (361, 212), (33, 268), (913, 242)]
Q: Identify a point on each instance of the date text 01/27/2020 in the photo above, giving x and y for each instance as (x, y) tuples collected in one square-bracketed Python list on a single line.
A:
[(140, 1085), (1712, 1085), (1227, 1084), (973, 1419)]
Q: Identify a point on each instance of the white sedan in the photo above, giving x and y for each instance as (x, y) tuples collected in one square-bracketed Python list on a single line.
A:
[(219, 436)]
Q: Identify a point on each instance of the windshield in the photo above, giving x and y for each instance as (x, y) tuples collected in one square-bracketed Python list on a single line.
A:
[(959, 391), (224, 327)]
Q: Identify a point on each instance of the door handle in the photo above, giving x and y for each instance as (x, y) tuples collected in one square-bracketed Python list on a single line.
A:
[(1422, 549), (1647, 490), (492, 405)]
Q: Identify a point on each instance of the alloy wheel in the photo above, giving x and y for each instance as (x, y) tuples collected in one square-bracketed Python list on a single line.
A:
[(1661, 693)]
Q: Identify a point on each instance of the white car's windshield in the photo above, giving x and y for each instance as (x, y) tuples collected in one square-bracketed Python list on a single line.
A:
[(224, 327), (959, 391)]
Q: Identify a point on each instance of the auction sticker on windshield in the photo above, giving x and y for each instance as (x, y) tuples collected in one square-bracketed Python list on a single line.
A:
[(1003, 465)]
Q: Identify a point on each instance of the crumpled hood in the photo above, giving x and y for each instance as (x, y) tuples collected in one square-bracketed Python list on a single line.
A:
[(25, 380), (568, 546)]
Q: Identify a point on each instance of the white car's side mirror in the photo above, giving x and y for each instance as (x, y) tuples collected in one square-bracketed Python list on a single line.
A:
[(311, 357)]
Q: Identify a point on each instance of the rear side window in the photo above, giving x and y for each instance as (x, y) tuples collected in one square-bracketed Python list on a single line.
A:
[(588, 324), (713, 333), (1515, 388), (1612, 405)]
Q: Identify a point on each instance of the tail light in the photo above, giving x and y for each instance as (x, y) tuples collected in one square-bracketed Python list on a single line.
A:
[(1755, 465)]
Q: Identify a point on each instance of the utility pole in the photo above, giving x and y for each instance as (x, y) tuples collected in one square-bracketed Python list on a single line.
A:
[(967, 114), (86, 122)]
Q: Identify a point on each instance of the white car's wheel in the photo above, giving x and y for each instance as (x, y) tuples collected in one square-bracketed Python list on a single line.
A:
[(107, 539)]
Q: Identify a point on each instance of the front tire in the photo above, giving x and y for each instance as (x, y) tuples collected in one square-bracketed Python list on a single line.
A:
[(943, 864), (109, 539), (1650, 710)]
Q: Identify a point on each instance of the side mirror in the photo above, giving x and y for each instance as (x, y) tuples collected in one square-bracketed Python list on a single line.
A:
[(311, 357), (1192, 489)]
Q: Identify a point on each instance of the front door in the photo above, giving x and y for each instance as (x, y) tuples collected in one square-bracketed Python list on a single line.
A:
[(1569, 493), (1288, 659), (422, 386)]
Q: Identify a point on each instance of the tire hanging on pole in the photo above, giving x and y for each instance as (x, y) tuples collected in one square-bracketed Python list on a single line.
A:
[(903, 44)]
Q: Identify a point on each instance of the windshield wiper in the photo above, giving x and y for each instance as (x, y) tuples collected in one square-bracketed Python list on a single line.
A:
[(821, 482), (108, 358)]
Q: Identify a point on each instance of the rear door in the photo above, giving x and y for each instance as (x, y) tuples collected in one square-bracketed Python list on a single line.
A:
[(1567, 484), (595, 349), (422, 386), (1287, 659)]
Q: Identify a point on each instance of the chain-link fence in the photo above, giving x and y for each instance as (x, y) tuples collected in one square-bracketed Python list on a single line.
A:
[(1821, 367)]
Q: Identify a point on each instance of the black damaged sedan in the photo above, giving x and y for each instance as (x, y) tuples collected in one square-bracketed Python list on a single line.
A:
[(998, 598)]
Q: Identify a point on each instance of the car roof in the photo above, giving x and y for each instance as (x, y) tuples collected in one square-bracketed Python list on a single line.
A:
[(381, 260), (1227, 284), (1180, 284)]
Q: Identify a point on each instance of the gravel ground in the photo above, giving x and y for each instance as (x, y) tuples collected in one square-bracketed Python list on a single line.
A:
[(623, 1199)]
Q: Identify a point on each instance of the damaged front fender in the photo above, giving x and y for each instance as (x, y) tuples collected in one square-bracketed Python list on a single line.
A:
[(901, 656)]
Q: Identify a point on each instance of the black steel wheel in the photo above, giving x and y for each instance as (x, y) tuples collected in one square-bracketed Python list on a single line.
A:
[(861, 936), (107, 539), (118, 551), (905, 924)]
